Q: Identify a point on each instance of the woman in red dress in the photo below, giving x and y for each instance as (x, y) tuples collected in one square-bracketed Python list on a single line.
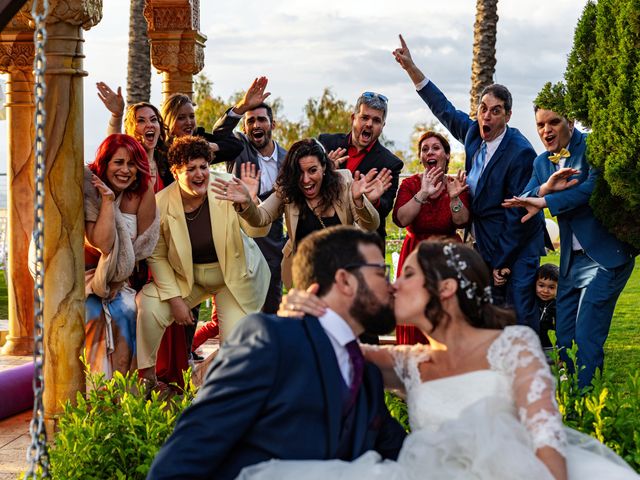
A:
[(431, 205)]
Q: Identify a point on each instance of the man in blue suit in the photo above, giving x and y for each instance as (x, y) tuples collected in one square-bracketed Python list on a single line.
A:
[(296, 388), (594, 265), (499, 161)]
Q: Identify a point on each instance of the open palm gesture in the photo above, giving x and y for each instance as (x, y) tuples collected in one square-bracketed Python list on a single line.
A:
[(250, 176), (233, 191)]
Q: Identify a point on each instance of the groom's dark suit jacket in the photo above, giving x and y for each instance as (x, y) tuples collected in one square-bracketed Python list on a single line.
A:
[(273, 391)]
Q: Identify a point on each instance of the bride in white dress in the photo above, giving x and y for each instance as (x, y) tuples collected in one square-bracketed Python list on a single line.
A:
[(481, 397)]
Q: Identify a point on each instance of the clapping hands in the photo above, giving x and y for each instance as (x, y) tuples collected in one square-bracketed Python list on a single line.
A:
[(373, 184), (456, 184), (337, 156), (432, 182)]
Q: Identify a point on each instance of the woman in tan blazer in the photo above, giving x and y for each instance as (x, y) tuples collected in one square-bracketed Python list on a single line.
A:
[(203, 250), (310, 193)]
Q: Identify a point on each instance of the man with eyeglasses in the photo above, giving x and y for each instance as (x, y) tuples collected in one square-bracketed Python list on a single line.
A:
[(499, 162), (360, 150), (296, 388)]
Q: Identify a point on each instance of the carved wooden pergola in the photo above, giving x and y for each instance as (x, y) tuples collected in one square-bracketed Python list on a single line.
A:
[(177, 51)]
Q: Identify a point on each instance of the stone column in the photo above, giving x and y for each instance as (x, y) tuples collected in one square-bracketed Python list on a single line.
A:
[(64, 209), (16, 59), (177, 46)]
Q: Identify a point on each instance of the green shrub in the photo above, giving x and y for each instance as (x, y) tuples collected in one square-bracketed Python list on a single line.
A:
[(397, 408), (603, 410), (114, 431)]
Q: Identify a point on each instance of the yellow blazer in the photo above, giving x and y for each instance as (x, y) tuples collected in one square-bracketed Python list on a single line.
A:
[(243, 266), (273, 207)]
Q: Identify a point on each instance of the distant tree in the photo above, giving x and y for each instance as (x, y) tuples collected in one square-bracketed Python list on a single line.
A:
[(581, 64), (209, 108), (603, 82), (327, 114), (412, 163), (139, 59), (483, 66)]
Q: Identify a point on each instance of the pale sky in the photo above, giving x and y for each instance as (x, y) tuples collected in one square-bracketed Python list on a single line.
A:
[(346, 45)]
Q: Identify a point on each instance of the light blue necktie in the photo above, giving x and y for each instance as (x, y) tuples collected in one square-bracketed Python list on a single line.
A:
[(476, 168)]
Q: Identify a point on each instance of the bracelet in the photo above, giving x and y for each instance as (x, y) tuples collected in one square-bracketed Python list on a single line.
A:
[(421, 202)]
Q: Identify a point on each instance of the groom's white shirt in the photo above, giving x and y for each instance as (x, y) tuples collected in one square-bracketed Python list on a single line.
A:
[(339, 333)]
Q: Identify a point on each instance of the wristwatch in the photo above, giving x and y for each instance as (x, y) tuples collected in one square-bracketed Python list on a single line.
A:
[(457, 206)]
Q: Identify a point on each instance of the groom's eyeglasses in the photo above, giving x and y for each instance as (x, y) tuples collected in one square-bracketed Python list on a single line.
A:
[(382, 266)]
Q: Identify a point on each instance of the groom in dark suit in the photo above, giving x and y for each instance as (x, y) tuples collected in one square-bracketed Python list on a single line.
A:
[(499, 161), (296, 389)]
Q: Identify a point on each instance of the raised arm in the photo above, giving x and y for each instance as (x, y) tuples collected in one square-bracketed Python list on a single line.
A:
[(114, 102), (456, 121)]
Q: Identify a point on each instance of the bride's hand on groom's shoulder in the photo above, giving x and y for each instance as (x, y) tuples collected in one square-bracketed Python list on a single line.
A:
[(298, 303)]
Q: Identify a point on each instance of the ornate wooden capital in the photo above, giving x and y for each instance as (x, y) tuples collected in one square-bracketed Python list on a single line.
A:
[(87, 13), (16, 55), (176, 43), (16, 43)]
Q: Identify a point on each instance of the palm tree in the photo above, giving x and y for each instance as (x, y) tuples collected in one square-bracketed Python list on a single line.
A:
[(483, 66), (139, 63)]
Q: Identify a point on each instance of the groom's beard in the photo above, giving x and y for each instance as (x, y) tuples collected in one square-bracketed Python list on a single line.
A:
[(368, 311)]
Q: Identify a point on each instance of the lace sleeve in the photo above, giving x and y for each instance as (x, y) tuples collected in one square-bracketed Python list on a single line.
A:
[(533, 387), (406, 359)]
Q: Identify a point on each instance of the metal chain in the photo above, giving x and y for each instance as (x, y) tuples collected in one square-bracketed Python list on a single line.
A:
[(37, 455)]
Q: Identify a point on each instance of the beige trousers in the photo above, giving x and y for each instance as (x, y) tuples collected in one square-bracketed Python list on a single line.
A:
[(154, 315)]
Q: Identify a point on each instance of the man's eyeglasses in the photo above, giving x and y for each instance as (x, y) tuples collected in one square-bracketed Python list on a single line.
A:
[(494, 111), (382, 266), (375, 95)]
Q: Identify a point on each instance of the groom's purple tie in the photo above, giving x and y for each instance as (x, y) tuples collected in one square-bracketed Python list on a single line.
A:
[(357, 363)]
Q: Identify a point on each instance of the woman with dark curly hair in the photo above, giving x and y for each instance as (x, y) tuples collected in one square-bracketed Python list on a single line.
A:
[(202, 250), (310, 193)]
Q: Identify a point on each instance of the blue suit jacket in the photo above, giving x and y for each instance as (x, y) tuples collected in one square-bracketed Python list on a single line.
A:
[(273, 391), (500, 236), (575, 216)]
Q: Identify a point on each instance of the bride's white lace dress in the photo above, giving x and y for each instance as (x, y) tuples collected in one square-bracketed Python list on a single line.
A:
[(485, 424)]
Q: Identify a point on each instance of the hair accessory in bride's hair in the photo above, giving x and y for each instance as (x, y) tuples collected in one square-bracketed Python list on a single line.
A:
[(457, 263)]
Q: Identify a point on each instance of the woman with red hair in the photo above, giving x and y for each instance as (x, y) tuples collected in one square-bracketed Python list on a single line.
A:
[(121, 228)]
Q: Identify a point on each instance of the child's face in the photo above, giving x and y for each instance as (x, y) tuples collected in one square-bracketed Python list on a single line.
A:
[(546, 289)]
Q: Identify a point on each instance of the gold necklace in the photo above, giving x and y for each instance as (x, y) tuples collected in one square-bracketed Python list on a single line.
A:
[(313, 210), (199, 209)]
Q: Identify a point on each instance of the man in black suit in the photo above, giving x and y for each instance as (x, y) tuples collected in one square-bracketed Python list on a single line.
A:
[(264, 153), (296, 388), (360, 150)]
